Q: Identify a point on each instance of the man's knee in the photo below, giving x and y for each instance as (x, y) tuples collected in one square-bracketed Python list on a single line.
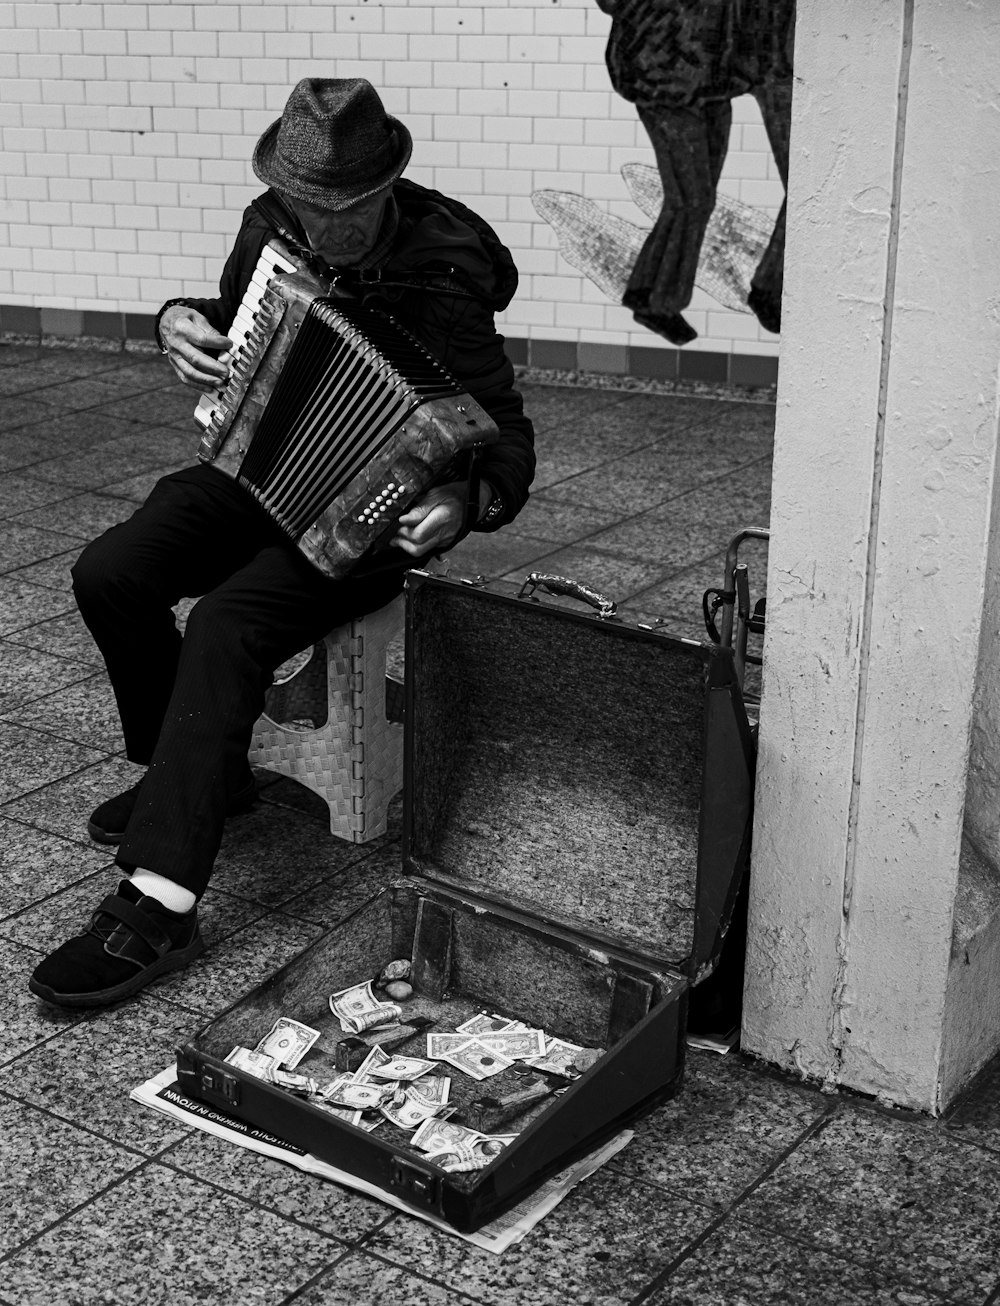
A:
[(219, 622), (96, 574)]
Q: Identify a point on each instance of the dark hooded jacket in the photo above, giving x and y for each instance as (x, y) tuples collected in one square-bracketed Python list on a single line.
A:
[(445, 278)]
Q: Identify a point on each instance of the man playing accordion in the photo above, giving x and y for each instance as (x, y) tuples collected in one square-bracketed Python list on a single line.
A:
[(333, 165)]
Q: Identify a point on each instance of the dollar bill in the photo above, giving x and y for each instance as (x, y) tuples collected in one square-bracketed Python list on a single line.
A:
[(493, 1144), (517, 1044), (439, 1045), (561, 1057), (402, 1068), (302, 1085), (345, 1091), (459, 1159), (431, 1090), (376, 1057), (464, 1157), (287, 1041), (357, 1008), (339, 1112), (436, 1135), (477, 1060), (410, 1113), (258, 1064), (483, 1023)]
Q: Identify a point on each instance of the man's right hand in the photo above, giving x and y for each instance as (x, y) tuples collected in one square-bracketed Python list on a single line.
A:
[(186, 335)]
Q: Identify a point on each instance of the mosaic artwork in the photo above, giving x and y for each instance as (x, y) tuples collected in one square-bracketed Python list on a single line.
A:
[(605, 248), (681, 63)]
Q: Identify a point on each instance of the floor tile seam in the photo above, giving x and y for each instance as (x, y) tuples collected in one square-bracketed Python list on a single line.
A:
[(407, 1267), (168, 384), (687, 1252), (115, 1139), (24, 519), (224, 935), (683, 426), (175, 1167), (310, 920), (15, 916), (27, 566), (660, 503), (8, 719), (144, 1164), (934, 1127), (60, 779), (954, 1135), (559, 541), (39, 385), (898, 1275), (644, 448), (78, 841), (716, 556), (156, 468), (28, 947), (37, 648), (45, 530), (18, 469), (199, 1014), (72, 551), (315, 1279), (53, 363), (41, 591), (61, 412), (35, 481)]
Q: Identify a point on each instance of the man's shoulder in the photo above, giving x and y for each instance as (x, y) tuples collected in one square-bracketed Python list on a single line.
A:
[(437, 228)]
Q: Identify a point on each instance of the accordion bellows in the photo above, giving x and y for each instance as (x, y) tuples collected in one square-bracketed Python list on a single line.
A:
[(335, 418)]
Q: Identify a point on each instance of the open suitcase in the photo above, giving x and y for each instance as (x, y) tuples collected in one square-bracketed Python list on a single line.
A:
[(577, 806)]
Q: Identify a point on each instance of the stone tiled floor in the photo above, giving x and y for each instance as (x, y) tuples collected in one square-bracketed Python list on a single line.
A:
[(748, 1188)]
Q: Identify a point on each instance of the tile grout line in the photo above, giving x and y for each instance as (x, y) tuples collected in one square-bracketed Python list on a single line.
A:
[(360, 1246), (81, 1206), (660, 503), (808, 1133)]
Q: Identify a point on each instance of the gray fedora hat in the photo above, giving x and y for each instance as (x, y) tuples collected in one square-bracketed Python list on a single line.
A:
[(333, 145)]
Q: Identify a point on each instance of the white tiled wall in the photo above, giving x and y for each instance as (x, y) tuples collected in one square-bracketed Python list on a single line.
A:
[(127, 130)]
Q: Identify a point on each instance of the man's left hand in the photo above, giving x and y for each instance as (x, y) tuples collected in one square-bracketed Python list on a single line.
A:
[(433, 521)]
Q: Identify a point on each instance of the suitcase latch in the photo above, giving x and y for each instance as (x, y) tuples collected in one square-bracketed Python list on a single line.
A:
[(222, 1083), (418, 1186)]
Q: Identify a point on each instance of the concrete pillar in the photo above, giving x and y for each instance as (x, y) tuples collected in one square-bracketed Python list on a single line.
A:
[(874, 953)]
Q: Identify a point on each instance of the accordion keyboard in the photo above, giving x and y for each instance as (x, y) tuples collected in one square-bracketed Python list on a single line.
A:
[(271, 261)]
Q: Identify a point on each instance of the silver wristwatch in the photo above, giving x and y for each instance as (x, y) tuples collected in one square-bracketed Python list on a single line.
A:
[(493, 510)]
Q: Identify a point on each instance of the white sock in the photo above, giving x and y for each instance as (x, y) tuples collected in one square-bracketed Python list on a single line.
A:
[(173, 896)]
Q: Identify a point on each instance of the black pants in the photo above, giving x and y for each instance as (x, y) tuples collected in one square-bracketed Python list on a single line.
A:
[(188, 706)]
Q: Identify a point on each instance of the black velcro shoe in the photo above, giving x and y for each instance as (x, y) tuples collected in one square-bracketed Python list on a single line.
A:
[(107, 823), (132, 940)]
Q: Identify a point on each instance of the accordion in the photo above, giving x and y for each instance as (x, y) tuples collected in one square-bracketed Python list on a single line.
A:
[(335, 418)]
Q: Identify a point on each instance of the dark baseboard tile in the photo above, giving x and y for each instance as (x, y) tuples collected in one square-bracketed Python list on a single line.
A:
[(649, 363), (72, 323), (655, 363)]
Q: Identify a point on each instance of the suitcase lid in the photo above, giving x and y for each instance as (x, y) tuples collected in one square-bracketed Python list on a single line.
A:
[(590, 771)]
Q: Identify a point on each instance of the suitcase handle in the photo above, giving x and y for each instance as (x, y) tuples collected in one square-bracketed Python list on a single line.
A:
[(572, 588)]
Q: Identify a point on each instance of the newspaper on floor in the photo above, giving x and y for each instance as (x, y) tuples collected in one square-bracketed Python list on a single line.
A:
[(163, 1093), (722, 1042)]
